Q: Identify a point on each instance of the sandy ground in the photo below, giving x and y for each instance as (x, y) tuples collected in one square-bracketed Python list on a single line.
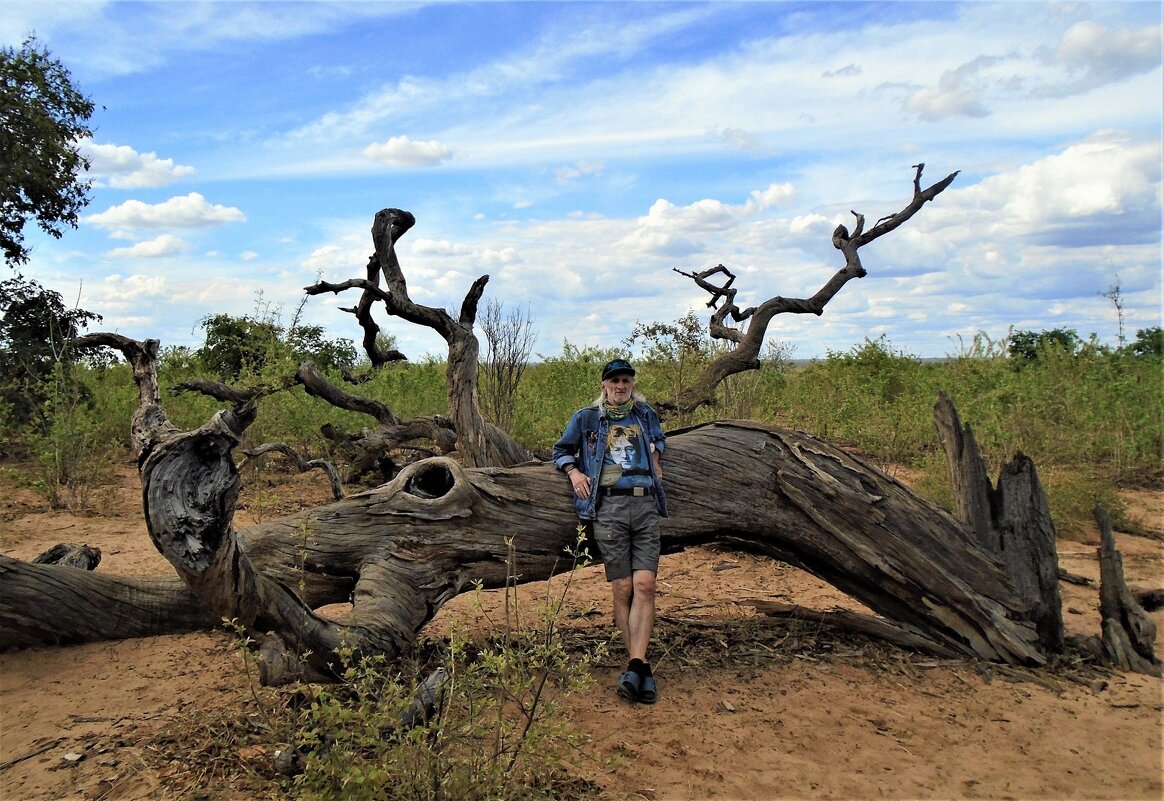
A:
[(796, 714)]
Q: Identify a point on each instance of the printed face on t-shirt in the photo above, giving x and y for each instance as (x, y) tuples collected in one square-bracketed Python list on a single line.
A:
[(622, 451)]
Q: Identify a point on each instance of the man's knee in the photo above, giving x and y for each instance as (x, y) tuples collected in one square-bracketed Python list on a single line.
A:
[(623, 589), (643, 582)]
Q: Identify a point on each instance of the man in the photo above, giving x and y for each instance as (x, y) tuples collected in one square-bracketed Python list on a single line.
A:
[(611, 453)]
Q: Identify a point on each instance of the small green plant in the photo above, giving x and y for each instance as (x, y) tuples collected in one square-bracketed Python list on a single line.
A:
[(498, 731)]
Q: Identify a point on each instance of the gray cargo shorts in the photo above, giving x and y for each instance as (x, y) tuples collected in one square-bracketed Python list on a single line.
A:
[(626, 529)]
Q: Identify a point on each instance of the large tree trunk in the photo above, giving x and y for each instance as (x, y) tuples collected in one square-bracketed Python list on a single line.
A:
[(402, 550), (56, 605)]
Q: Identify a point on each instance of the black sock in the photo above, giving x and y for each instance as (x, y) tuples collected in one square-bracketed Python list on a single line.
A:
[(640, 667)]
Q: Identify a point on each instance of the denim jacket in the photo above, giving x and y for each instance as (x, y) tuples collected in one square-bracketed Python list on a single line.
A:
[(583, 444)]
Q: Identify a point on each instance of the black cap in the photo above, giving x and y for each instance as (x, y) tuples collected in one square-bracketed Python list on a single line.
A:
[(615, 367)]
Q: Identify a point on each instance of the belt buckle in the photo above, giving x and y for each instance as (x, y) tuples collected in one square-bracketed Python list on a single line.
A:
[(639, 492)]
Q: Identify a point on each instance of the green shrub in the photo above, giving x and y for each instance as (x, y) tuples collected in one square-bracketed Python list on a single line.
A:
[(499, 732)]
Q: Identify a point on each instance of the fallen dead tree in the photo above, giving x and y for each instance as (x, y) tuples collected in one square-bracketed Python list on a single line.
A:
[(400, 551)]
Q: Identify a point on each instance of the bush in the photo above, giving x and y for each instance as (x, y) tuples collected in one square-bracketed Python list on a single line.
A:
[(498, 733)]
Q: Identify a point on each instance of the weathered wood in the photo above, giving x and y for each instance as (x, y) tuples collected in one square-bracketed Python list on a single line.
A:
[(973, 495), (301, 464), (744, 354), (83, 557), (478, 442), (1150, 599), (865, 625), (401, 551), (1128, 632), (1011, 522), (1027, 546), (55, 605)]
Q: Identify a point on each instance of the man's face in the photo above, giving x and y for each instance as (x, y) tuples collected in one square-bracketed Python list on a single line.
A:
[(619, 388)]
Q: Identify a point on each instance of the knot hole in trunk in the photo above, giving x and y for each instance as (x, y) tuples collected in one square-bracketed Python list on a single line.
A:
[(430, 481)]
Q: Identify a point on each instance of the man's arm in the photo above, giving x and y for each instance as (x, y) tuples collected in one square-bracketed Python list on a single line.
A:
[(565, 450)]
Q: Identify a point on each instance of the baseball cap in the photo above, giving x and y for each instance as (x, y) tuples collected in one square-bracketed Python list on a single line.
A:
[(617, 366)]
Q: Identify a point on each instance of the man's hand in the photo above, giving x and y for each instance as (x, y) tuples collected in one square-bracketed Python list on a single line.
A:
[(580, 482)]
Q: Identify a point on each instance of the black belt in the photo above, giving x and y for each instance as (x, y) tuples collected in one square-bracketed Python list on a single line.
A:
[(638, 492)]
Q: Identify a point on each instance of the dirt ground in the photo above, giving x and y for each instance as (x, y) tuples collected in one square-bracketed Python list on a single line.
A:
[(798, 716)]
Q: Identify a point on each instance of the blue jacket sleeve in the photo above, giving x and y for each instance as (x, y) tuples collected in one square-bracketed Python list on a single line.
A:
[(566, 449)]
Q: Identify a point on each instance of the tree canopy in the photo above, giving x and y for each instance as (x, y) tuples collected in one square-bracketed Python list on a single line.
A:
[(238, 345), (43, 120), (35, 329)]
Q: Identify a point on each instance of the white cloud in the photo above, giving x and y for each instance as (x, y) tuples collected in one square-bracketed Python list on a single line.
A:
[(959, 92), (164, 245), (189, 211), (567, 175), (1095, 56), (118, 293), (122, 167), (400, 151), (775, 195), (1107, 186)]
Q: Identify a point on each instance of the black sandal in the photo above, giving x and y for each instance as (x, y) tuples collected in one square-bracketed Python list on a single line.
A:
[(647, 690), (629, 684)]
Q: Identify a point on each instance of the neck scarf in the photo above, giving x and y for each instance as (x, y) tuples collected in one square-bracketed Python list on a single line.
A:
[(620, 411)]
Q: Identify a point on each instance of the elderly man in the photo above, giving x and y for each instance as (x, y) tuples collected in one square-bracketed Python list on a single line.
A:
[(611, 453)]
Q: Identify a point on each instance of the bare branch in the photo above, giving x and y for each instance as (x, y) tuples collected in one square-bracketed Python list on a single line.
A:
[(319, 387), (301, 465), (748, 343)]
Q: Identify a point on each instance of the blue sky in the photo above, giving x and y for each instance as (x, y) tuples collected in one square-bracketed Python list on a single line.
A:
[(578, 152)]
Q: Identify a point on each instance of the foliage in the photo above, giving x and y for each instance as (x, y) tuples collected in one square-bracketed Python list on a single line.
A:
[(509, 341), (1148, 342), (1029, 346), (497, 730), (35, 326), (239, 346), (675, 353), (43, 120), (49, 408)]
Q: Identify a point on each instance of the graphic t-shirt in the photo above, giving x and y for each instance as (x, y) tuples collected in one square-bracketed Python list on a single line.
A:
[(625, 464)]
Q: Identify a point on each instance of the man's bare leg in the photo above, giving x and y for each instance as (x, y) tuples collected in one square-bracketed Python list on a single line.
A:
[(634, 611), (623, 591), (641, 619)]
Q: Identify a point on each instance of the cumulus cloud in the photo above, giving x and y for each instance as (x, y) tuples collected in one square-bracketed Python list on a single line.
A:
[(164, 245), (486, 256), (1106, 188), (349, 250), (671, 231), (1095, 56), (118, 293), (774, 196), (122, 167), (400, 151), (959, 92), (188, 211)]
